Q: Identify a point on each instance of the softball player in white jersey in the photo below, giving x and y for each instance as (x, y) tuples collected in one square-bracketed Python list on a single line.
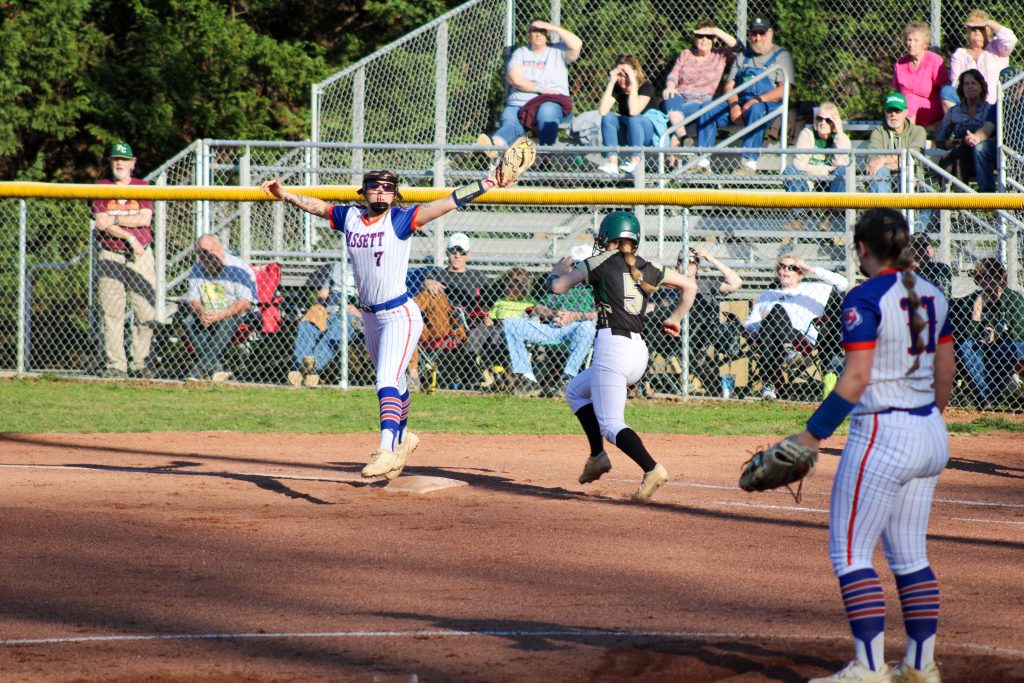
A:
[(377, 240), (622, 283), (896, 383)]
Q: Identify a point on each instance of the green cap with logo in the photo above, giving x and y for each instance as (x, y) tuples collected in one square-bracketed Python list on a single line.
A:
[(121, 150), (895, 100)]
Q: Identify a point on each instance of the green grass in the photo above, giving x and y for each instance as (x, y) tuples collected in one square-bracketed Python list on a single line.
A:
[(58, 405)]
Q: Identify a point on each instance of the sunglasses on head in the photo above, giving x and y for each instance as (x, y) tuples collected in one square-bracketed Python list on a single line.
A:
[(380, 185), (457, 251), (783, 267)]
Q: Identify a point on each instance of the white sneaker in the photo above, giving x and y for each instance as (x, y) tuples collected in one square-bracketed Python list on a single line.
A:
[(905, 673), (652, 482), (609, 167), (768, 392), (855, 673), (380, 464), (627, 166), (295, 378), (220, 376)]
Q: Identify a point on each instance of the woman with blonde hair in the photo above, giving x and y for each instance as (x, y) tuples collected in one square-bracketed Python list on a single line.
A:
[(821, 170), (987, 49), (639, 121), (919, 76)]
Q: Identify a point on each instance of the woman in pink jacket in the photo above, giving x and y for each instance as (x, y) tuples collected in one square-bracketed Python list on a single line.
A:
[(919, 75)]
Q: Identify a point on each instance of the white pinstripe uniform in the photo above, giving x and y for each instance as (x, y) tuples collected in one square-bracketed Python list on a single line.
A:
[(898, 443), (378, 250)]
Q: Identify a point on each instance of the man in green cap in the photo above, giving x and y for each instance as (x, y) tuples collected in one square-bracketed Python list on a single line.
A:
[(896, 132), (125, 269)]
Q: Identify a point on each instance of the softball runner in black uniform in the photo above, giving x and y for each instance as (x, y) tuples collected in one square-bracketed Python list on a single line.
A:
[(622, 284)]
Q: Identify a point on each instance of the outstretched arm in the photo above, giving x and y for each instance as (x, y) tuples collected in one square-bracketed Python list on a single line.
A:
[(317, 207), (460, 197)]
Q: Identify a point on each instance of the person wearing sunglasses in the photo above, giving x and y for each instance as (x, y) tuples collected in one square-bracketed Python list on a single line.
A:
[(822, 170), (537, 69), (752, 104), (378, 239), (697, 74), (782, 323), (987, 48)]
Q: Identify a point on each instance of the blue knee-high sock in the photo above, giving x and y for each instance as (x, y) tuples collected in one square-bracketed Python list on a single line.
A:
[(390, 417), (919, 598), (865, 608), (402, 423)]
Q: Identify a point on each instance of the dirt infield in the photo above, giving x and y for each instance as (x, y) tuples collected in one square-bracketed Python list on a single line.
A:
[(221, 556)]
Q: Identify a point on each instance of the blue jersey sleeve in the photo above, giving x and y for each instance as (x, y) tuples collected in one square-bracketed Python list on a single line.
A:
[(861, 318), (404, 221), (338, 217)]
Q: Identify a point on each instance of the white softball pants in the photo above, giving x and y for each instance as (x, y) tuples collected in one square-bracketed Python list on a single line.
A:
[(884, 487), (617, 363), (391, 338)]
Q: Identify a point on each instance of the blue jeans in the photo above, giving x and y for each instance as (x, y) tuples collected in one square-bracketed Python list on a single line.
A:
[(710, 121), (989, 366), (883, 183), (310, 341), (797, 182), (578, 336), (675, 104), (549, 116), (631, 131), (209, 343), (985, 166)]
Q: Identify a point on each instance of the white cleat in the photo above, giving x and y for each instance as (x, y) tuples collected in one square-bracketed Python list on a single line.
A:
[(905, 673), (380, 464), (652, 482), (854, 672), (408, 445), (596, 466)]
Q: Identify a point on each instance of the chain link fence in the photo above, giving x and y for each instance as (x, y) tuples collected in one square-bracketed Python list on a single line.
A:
[(466, 349)]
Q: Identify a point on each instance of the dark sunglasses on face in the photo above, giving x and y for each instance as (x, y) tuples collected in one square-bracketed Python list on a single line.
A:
[(783, 267), (822, 119), (698, 36), (380, 185), (534, 29), (758, 33), (457, 251)]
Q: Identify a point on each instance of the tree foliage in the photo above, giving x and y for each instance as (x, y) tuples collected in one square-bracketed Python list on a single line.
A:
[(80, 74)]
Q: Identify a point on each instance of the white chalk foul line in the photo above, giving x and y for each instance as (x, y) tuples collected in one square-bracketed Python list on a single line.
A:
[(447, 633)]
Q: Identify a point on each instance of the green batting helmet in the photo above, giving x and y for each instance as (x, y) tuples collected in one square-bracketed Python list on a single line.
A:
[(618, 225)]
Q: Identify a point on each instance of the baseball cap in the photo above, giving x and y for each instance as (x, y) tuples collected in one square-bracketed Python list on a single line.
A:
[(761, 22), (895, 100), (121, 150), (458, 240)]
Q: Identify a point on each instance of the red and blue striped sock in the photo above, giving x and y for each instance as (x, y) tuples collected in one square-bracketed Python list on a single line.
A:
[(919, 597), (390, 417), (865, 608), (404, 421)]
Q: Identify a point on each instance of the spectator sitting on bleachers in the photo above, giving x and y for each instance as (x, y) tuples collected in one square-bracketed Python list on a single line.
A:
[(639, 121), (935, 272), (569, 318), (781, 324), (967, 134), (988, 326), (487, 341), (920, 75), (755, 102), (221, 290), (535, 70), (896, 132), (827, 171), (988, 50), (318, 335), (696, 76)]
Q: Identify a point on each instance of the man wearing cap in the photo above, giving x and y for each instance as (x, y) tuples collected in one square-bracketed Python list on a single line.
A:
[(470, 292), (755, 102), (896, 132), (125, 269)]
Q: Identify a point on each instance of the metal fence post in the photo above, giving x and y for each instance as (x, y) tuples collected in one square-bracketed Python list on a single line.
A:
[(684, 332), (22, 282), (937, 22), (440, 103), (358, 122), (160, 239)]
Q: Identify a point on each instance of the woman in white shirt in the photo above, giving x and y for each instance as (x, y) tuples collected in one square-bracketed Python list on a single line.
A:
[(781, 324)]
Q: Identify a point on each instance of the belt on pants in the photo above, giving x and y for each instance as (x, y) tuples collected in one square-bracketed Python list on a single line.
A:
[(619, 332), (920, 410), (386, 306)]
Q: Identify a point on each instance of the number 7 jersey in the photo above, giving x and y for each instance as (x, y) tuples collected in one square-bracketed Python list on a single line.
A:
[(378, 249), (876, 315)]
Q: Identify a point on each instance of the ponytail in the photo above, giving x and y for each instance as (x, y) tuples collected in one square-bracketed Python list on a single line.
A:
[(905, 263), (626, 248)]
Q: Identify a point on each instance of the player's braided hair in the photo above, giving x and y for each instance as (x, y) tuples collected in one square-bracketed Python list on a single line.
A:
[(628, 249), (885, 233)]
